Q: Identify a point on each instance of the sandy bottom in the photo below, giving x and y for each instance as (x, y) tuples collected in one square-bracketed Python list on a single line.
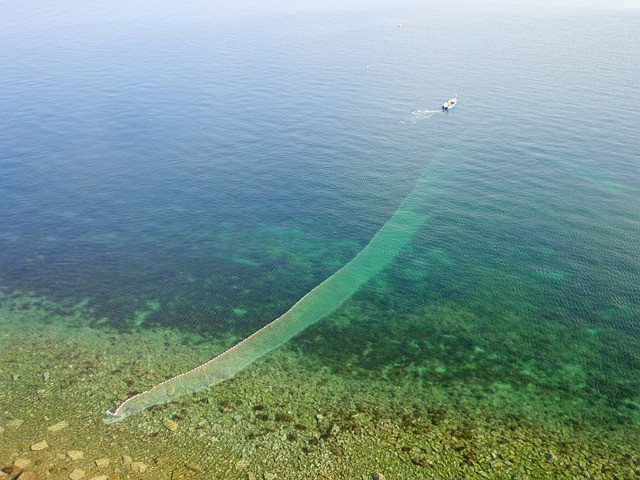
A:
[(285, 417)]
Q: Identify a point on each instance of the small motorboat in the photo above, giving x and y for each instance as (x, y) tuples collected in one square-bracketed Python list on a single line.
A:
[(449, 104)]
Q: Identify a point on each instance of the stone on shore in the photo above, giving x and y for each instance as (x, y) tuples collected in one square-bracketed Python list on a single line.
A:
[(77, 474), (138, 467), (43, 445), (75, 455), (21, 463)]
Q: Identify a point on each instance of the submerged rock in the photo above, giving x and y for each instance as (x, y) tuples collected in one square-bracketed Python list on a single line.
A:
[(58, 426), (170, 424)]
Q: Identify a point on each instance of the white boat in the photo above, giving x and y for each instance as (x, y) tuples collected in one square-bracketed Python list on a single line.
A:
[(449, 104)]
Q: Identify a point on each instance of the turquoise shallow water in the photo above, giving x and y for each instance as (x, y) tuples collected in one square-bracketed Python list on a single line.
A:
[(205, 168)]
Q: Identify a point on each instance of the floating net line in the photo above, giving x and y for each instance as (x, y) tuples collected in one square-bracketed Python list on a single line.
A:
[(324, 299)]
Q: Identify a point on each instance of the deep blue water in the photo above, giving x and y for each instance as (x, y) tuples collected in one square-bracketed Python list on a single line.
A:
[(223, 161)]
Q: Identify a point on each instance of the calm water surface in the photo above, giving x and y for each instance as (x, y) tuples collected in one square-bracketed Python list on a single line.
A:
[(209, 166)]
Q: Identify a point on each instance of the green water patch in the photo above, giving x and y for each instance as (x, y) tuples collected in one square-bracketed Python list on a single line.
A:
[(44, 310), (141, 315), (554, 275), (199, 277), (105, 237), (281, 247), (493, 342), (600, 180), (523, 330), (245, 270), (289, 405), (423, 266)]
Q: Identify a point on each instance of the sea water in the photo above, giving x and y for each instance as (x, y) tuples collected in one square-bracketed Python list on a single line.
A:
[(200, 168)]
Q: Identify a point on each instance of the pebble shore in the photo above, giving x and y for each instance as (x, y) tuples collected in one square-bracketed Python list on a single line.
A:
[(283, 418)]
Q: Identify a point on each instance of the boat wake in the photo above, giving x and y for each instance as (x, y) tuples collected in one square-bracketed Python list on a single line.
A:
[(418, 115)]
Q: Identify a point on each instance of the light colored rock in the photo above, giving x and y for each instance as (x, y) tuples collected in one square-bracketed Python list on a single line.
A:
[(43, 445), (138, 467), (377, 476), (100, 477), (75, 455), (1, 430), (27, 476), (58, 426), (127, 459), (102, 463), (194, 468), (170, 424), (15, 423), (77, 474), (21, 463)]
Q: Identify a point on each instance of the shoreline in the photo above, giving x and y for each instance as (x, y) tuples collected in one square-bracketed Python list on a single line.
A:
[(286, 416)]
